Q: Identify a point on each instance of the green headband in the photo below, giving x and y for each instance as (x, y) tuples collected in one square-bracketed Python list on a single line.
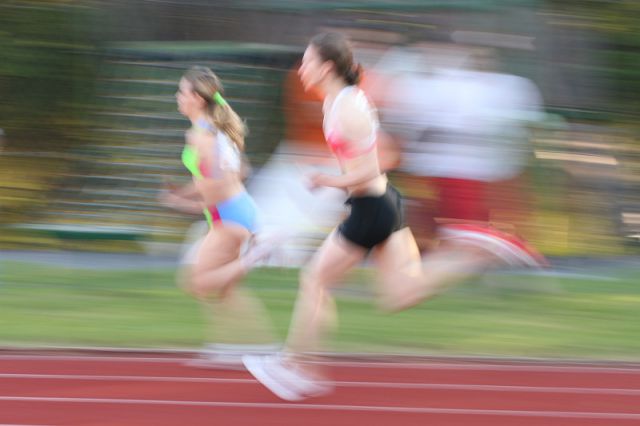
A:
[(217, 97)]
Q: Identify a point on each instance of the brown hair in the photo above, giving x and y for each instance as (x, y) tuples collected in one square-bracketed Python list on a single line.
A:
[(206, 84), (335, 47)]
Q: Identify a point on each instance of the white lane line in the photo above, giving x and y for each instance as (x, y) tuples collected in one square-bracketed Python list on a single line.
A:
[(480, 366), (534, 368), (335, 407), (343, 384), (92, 358)]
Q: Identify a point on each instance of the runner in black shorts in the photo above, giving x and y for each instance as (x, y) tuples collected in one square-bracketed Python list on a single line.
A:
[(375, 225)]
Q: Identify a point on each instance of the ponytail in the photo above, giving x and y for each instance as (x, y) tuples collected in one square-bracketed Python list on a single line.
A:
[(353, 76), (228, 121)]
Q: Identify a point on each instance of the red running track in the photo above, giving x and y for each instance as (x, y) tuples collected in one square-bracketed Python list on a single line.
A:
[(102, 389)]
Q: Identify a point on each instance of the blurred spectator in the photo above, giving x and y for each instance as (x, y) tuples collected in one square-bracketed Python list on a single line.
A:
[(464, 134), (303, 112)]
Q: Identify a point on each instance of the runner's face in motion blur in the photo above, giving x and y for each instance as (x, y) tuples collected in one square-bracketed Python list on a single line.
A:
[(189, 102), (313, 69)]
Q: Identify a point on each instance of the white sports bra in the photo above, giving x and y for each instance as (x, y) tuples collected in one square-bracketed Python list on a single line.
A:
[(336, 142), (226, 152)]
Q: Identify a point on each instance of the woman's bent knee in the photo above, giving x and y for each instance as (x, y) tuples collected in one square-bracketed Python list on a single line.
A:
[(202, 287)]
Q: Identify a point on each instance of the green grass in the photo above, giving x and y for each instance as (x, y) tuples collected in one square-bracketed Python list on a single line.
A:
[(515, 316)]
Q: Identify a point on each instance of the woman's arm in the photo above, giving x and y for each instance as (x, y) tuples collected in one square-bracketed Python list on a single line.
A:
[(187, 191), (366, 170), (185, 199)]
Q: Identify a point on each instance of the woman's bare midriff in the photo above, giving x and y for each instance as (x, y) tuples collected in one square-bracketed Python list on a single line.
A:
[(375, 187)]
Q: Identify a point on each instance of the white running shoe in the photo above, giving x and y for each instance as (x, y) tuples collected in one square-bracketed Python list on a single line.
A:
[(514, 251), (229, 356), (261, 246), (284, 381)]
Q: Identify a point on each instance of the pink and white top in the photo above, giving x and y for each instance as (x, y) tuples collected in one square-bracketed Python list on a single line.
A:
[(337, 143)]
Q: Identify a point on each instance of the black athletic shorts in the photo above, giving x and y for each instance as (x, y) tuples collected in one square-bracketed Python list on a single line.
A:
[(373, 218)]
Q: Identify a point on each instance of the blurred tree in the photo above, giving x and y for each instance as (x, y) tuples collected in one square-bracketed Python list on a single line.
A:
[(617, 23), (46, 73)]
